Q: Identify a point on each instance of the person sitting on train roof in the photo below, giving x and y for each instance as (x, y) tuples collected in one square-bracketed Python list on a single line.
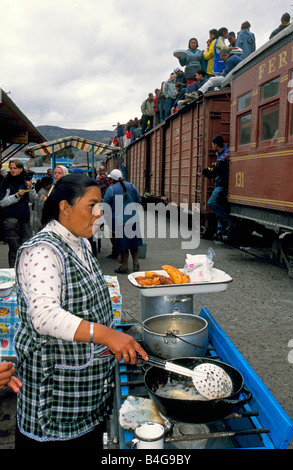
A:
[(180, 90), (209, 54), (230, 61), (180, 76), (245, 40), (201, 78), (285, 21), (219, 171)]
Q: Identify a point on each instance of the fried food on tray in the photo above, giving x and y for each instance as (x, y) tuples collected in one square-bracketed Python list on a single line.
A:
[(150, 274), (165, 280), (155, 281), (175, 275)]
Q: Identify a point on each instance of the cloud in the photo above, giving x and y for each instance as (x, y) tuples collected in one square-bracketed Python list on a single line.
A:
[(89, 64)]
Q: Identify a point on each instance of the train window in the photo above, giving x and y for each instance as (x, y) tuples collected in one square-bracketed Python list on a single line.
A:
[(245, 129), (270, 89), (244, 101), (269, 122)]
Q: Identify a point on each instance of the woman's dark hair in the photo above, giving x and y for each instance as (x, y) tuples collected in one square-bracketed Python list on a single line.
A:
[(214, 32), (69, 188), (123, 187), (192, 39), (222, 30)]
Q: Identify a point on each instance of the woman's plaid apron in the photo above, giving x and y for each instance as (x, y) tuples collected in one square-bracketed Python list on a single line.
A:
[(66, 385)]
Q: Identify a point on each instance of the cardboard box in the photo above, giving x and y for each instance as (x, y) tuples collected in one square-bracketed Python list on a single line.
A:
[(7, 332), (9, 309), (116, 298)]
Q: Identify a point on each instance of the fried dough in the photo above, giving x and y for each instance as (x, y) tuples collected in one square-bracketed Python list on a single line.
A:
[(155, 281), (150, 274), (175, 275)]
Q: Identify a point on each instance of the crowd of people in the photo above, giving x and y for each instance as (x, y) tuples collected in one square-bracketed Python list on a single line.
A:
[(22, 202), (203, 70)]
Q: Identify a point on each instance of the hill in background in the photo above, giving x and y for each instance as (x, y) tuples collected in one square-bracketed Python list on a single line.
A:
[(54, 132)]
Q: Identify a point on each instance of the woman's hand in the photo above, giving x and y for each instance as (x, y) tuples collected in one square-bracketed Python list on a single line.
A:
[(123, 346), (7, 379), (120, 344)]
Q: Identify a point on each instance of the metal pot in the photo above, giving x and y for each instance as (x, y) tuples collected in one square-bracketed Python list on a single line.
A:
[(152, 306), (195, 411), (175, 335)]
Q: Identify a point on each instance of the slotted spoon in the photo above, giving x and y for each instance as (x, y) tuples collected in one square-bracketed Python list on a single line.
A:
[(216, 384), (210, 381)]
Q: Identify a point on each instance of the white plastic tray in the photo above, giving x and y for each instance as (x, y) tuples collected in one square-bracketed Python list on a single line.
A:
[(218, 283), (179, 53)]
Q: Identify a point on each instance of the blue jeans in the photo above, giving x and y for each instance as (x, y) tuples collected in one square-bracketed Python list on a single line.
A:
[(161, 108), (168, 106), (224, 219)]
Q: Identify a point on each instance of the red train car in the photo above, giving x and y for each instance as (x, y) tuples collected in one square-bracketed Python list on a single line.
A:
[(261, 142)]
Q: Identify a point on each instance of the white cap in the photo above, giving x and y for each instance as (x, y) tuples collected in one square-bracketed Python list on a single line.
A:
[(115, 175)]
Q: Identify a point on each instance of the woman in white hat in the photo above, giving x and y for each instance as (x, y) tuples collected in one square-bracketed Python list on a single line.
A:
[(124, 224)]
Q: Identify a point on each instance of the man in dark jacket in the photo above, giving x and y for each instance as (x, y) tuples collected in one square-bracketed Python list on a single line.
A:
[(218, 199), (285, 21)]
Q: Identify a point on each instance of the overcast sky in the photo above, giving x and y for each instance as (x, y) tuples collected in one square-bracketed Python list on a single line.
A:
[(87, 64)]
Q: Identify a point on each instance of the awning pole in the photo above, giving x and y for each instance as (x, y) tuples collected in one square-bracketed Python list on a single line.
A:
[(93, 162), (53, 160)]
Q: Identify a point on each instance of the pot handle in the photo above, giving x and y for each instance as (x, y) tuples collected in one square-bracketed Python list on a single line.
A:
[(242, 401)]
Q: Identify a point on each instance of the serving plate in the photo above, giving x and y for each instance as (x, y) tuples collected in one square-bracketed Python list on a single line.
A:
[(179, 53), (236, 50), (219, 282)]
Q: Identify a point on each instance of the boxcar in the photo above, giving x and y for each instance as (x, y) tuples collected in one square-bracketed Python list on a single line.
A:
[(166, 163)]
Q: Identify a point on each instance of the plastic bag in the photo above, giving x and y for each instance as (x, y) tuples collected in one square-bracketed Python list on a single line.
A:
[(198, 267)]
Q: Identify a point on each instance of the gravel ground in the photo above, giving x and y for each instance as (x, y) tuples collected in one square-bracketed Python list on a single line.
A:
[(255, 312)]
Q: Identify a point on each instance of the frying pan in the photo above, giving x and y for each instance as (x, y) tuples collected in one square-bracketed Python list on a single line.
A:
[(195, 411)]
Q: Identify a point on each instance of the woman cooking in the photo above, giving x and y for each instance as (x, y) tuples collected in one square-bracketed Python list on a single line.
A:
[(65, 337)]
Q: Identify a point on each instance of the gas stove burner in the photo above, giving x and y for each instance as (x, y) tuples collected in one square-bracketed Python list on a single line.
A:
[(187, 430)]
